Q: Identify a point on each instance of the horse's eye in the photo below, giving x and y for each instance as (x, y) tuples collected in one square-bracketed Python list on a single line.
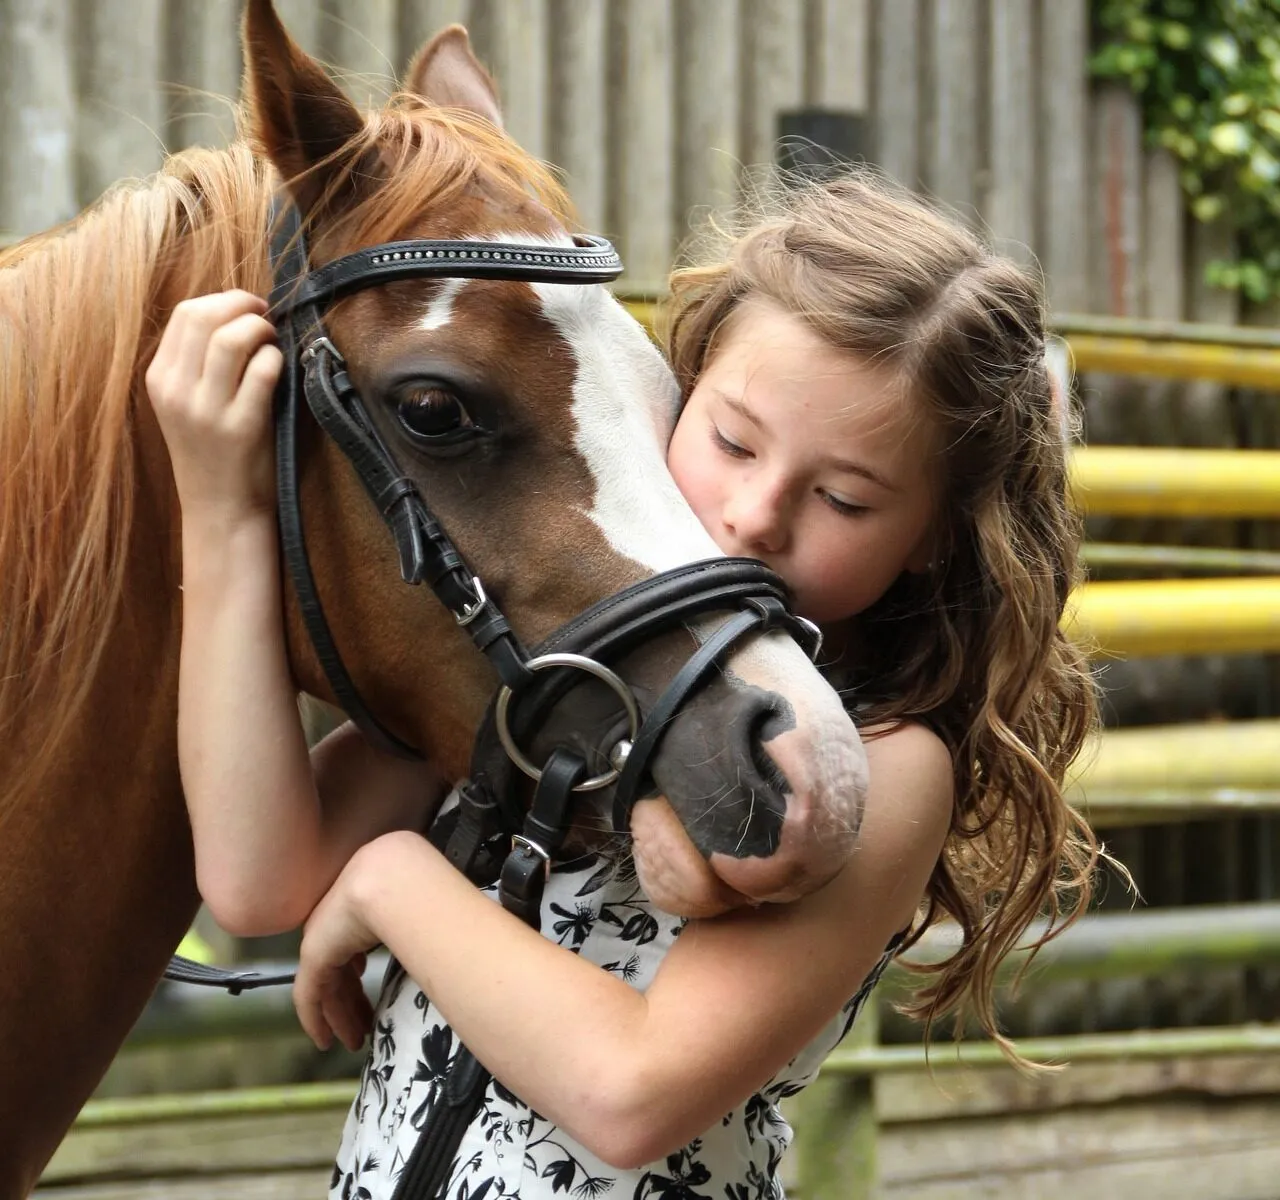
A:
[(435, 414)]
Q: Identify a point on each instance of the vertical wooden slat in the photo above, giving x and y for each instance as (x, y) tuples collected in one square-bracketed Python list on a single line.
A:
[(1117, 244), (951, 169), (1064, 48), (303, 20), (37, 116), (518, 56), (422, 19), (1011, 193), (122, 116), (203, 65), (642, 127), (772, 72), (1164, 225), (358, 37), (707, 91), (897, 88), (839, 55), (577, 104)]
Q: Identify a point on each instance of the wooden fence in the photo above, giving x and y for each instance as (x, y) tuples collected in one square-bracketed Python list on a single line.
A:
[(653, 106)]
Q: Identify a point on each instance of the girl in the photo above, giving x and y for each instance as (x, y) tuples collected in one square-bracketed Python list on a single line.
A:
[(867, 409)]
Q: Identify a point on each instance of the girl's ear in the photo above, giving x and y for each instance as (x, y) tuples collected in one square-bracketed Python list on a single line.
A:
[(297, 114), (445, 72)]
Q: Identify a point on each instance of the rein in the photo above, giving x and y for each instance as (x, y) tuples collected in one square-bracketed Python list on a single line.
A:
[(491, 836)]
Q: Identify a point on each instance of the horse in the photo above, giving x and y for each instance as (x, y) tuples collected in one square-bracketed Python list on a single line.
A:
[(559, 500)]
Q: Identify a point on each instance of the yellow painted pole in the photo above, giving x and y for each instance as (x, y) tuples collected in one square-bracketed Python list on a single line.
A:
[(1242, 754), (1177, 616), (1130, 481), (1245, 366)]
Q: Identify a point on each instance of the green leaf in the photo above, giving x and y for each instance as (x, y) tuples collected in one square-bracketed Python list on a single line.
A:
[(1176, 35), (1237, 104), (1223, 50), (1208, 208), (1264, 165), (1231, 139)]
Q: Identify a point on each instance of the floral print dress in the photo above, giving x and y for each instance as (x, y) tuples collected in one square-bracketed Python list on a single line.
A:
[(592, 908)]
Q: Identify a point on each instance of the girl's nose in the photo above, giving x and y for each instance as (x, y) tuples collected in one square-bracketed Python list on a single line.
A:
[(756, 515)]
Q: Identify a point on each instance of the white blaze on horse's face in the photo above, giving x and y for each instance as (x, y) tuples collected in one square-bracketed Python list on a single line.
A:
[(625, 404)]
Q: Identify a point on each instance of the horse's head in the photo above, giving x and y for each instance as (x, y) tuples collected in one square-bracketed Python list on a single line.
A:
[(533, 419)]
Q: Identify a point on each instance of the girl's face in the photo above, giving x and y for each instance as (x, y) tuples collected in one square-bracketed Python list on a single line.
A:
[(809, 458)]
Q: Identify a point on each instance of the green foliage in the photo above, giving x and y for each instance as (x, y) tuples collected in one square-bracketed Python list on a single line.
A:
[(1207, 73)]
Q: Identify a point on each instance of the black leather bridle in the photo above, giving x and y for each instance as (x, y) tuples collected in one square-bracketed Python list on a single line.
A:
[(489, 817)]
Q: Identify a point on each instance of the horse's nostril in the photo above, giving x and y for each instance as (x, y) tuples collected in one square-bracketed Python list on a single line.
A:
[(765, 726)]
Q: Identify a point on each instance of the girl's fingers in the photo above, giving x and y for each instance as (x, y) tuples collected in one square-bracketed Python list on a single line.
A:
[(231, 348), (193, 325)]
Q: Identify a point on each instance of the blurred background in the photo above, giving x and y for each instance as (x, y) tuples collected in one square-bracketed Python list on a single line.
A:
[(1131, 148)]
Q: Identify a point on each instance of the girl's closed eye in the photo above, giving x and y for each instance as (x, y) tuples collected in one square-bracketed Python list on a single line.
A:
[(846, 508), (729, 446)]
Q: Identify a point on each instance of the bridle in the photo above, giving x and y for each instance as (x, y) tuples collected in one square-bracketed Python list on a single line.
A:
[(488, 817), (316, 371)]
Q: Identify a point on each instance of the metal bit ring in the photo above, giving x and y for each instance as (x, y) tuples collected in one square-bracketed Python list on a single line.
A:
[(580, 662)]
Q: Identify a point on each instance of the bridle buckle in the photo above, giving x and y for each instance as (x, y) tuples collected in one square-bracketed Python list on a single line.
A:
[(471, 611)]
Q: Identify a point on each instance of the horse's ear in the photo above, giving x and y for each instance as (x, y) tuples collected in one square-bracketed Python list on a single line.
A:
[(297, 114), (445, 72)]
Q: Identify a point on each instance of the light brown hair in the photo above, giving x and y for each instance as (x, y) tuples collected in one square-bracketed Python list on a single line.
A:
[(974, 647)]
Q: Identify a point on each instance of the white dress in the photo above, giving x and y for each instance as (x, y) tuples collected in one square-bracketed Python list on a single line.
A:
[(592, 909)]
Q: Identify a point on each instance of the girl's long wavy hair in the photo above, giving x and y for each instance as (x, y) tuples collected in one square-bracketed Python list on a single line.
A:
[(973, 648)]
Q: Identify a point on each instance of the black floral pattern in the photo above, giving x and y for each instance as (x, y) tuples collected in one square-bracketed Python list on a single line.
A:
[(511, 1152)]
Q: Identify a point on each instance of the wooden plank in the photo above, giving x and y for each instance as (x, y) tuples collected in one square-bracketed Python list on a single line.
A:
[(709, 126), (956, 45), (949, 1093), (261, 1140), (838, 74), (1010, 205), (203, 65), (1164, 223), (37, 116), (303, 19), (518, 54), (1178, 1149), (122, 116), (897, 88), (423, 19), (1117, 243), (358, 38), (273, 1185), (642, 133), (1064, 134), (772, 72), (577, 106)]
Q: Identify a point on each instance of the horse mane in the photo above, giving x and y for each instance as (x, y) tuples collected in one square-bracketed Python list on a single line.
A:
[(82, 307)]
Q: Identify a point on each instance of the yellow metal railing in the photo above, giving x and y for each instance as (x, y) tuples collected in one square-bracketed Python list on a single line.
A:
[(1177, 616)]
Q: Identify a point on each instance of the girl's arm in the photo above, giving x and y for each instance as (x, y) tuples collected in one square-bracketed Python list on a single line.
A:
[(268, 840), (635, 1075)]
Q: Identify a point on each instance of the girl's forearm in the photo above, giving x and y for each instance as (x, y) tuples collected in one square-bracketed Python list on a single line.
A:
[(245, 768), (565, 1036)]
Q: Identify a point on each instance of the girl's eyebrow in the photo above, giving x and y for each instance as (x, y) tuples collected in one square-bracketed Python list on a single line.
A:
[(741, 409)]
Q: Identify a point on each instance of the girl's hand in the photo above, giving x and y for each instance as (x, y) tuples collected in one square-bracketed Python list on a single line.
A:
[(327, 992), (211, 383)]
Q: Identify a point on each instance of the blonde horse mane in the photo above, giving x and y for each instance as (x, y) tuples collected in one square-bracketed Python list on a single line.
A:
[(81, 310)]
